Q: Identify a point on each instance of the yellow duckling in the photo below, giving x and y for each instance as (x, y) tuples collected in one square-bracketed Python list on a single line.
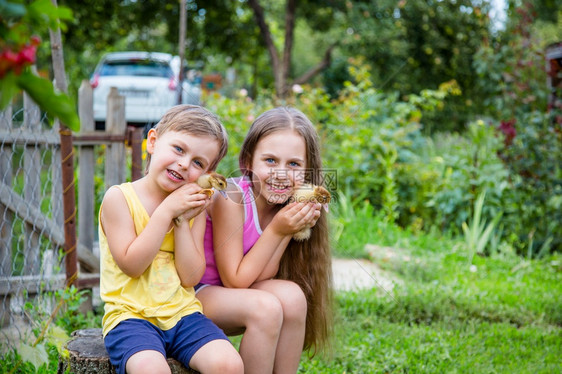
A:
[(310, 193)]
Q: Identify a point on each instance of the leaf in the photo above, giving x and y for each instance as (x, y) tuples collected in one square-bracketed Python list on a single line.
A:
[(55, 103), (11, 10), (8, 88), (58, 337), (36, 355), (45, 12)]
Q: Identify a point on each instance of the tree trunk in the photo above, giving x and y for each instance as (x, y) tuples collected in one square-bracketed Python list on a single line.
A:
[(288, 48), (273, 54), (181, 47), (282, 67)]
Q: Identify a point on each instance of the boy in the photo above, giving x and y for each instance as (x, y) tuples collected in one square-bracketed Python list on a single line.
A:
[(149, 264)]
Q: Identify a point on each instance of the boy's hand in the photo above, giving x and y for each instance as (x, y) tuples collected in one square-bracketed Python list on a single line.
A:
[(295, 217), (186, 202)]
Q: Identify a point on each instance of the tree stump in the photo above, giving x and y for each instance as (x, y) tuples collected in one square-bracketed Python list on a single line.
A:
[(89, 356)]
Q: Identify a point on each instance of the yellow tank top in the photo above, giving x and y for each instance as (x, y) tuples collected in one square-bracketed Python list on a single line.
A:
[(157, 295)]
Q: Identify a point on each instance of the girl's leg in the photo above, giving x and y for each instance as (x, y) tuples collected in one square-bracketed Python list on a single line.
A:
[(291, 339), (147, 362), (217, 356), (255, 313)]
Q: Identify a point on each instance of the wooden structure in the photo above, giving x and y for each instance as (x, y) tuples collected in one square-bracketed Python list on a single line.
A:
[(554, 74), (89, 356), (212, 82), (31, 223)]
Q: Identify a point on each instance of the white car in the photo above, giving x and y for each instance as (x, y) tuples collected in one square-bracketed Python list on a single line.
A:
[(149, 82)]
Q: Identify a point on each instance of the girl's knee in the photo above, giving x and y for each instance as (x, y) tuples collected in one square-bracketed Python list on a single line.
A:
[(294, 302), (218, 357), (266, 313), (227, 365)]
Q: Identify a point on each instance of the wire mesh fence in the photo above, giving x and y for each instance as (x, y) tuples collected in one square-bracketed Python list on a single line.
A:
[(32, 237), (31, 215)]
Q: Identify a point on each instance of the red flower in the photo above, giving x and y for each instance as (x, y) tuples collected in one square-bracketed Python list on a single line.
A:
[(16, 62), (35, 40), (27, 55), (508, 129)]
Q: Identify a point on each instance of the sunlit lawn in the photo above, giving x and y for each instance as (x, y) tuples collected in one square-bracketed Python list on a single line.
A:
[(501, 315)]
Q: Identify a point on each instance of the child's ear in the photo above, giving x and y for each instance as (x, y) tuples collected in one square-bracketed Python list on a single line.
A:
[(150, 140)]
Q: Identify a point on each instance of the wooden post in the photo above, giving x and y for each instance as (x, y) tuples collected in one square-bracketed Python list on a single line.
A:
[(67, 164), (32, 184), (135, 141), (87, 164), (7, 217), (115, 124)]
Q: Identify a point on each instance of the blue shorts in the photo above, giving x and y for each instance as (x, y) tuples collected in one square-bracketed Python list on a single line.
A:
[(180, 342), (199, 286)]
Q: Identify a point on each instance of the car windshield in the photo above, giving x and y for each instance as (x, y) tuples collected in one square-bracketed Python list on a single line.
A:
[(142, 68)]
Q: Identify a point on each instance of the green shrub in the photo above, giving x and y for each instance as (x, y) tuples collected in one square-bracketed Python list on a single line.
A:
[(514, 77), (373, 144), (464, 168)]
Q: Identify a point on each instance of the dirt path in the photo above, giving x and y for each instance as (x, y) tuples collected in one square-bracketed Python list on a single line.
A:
[(355, 274)]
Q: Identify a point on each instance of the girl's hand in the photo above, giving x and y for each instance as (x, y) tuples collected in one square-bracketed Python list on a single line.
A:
[(295, 217), (186, 202)]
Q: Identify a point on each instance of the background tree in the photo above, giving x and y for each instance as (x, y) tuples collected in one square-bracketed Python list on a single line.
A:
[(214, 27), (416, 45), (281, 61)]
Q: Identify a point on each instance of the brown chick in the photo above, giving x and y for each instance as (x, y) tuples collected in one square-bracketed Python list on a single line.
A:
[(207, 182), (310, 193), (212, 180)]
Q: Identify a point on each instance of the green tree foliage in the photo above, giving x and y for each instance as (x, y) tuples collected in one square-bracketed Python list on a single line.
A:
[(416, 45), (18, 46), (513, 75), (101, 26), (545, 10)]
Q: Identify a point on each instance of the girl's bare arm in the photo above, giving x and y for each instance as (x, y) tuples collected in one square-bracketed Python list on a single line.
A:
[(308, 219), (262, 260)]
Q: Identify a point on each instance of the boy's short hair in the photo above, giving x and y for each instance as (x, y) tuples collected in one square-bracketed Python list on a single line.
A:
[(197, 121)]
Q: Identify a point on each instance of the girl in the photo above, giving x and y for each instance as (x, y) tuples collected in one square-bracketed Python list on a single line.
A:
[(258, 280), (149, 265)]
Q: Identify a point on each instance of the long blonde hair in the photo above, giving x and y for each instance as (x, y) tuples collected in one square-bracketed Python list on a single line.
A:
[(307, 263)]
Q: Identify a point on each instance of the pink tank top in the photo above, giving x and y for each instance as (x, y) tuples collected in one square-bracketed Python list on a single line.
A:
[(252, 231)]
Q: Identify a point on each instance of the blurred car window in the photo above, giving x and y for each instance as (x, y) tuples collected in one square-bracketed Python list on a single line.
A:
[(136, 68), (148, 80)]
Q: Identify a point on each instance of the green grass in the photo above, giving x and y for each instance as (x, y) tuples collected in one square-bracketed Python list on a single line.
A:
[(503, 314), (453, 320), (371, 344)]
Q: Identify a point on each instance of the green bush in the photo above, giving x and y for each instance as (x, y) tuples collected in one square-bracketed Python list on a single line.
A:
[(372, 142), (534, 202), (463, 167), (513, 76), (368, 136)]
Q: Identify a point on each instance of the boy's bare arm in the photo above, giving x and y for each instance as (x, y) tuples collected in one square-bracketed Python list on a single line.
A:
[(133, 254), (189, 250)]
